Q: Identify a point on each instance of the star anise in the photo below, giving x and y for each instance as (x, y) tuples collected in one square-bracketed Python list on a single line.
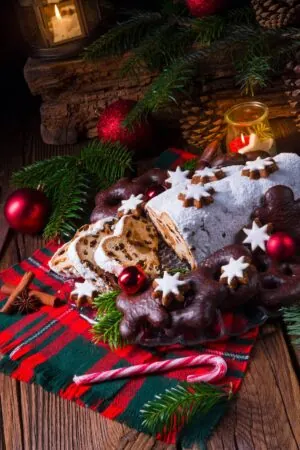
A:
[(26, 303)]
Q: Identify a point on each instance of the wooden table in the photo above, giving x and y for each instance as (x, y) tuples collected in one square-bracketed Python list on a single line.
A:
[(266, 415)]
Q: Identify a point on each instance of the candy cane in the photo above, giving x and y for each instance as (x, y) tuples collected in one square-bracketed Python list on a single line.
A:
[(217, 373)]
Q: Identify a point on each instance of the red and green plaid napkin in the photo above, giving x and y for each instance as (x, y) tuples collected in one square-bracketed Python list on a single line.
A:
[(52, 345)]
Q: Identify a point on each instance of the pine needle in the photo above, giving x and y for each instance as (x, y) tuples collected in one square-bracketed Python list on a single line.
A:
[(176, 406), (125, 36), (107, 328), (291, 317), (106, 161)]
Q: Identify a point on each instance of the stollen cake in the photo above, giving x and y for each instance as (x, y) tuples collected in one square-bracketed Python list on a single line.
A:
[(196, 233), (60, 262), (134, 242), (81, 251)]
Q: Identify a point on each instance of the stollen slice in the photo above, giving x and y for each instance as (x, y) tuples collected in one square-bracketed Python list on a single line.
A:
[(60, 262), (134, 242), (81, 251)]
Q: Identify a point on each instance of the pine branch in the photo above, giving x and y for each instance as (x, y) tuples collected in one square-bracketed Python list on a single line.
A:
[(208, 29), (34, 175), (291, 317), (69, 199), (125, 36), (177, 76), (191, 164), (106, 161), (107, 328), (182, 270), (175, 407), (253, 73)]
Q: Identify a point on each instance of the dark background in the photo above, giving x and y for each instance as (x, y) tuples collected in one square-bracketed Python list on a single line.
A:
[(16, 101)]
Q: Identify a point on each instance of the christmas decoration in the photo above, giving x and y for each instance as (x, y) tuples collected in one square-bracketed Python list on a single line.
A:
[(153, 191), (177, 177), (169, 288), (291, 80), (111, 128), (188, 44), (107, 324), (258, 235), (27, 210), (202, 8), (218, 372), (202, 121), (276, 14), (291, 317), (71, 181), (177, 406), (235, 272), (132, 280), (281, 246)]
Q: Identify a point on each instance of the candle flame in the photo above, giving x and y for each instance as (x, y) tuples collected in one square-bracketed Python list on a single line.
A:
[(57, 12), (243, 138)]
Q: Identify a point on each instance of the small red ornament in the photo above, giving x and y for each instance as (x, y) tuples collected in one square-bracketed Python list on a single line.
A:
[(202, 8), (26, 210), (153, 191), (110, 126), (132, 279), (281, 246)]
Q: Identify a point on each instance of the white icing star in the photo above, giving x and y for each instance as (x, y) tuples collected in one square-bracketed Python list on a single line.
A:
[(196, 192), (169, 284), (256, 236), (259, 164), (131, 203), (177, 177), (234, 269), (85, 289), (206, 172)]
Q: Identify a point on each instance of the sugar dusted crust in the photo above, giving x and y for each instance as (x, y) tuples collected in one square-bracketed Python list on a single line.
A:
[(195, 233)]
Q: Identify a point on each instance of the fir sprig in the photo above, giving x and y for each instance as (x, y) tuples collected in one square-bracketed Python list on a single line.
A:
[(71, 181), (176, 406), (125, 36), (291, 317), (108, 319)]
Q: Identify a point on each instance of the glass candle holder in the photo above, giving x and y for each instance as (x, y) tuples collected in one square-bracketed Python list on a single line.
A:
[(249, 129)]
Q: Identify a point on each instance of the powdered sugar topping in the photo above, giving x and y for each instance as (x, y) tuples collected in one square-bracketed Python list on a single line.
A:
[(234, 269), (256, 236), (131, 204), (177, 177)]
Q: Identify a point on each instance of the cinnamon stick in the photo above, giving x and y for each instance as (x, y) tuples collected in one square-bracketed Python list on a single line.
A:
[(44, 299), (24, 283), (7, 288)]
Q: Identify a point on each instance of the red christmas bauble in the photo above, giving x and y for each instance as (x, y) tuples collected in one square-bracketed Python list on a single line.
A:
[(110, 126), (132, 279), (153, 191), (202, 8), (281, 246), (26, 210)]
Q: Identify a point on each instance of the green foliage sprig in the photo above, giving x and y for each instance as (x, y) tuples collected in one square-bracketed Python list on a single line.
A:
[(291, 317), (177, 406), (71, 181), (177, 45), (108, 319)]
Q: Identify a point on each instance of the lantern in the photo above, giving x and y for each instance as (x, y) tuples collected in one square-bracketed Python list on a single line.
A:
[(58, 29)]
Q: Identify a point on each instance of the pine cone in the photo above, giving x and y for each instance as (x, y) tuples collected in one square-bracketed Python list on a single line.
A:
[(291, 80), (276, 13), (202, 122)]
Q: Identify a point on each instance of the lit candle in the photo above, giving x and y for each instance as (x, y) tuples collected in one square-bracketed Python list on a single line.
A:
[(64, 27), (243, 144)]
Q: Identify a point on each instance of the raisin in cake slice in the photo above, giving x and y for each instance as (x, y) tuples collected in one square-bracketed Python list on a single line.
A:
[(134, 242), (60, 262), (82, 249)]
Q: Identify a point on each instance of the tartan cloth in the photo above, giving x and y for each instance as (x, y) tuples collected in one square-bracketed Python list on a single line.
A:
[(52, 345)]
